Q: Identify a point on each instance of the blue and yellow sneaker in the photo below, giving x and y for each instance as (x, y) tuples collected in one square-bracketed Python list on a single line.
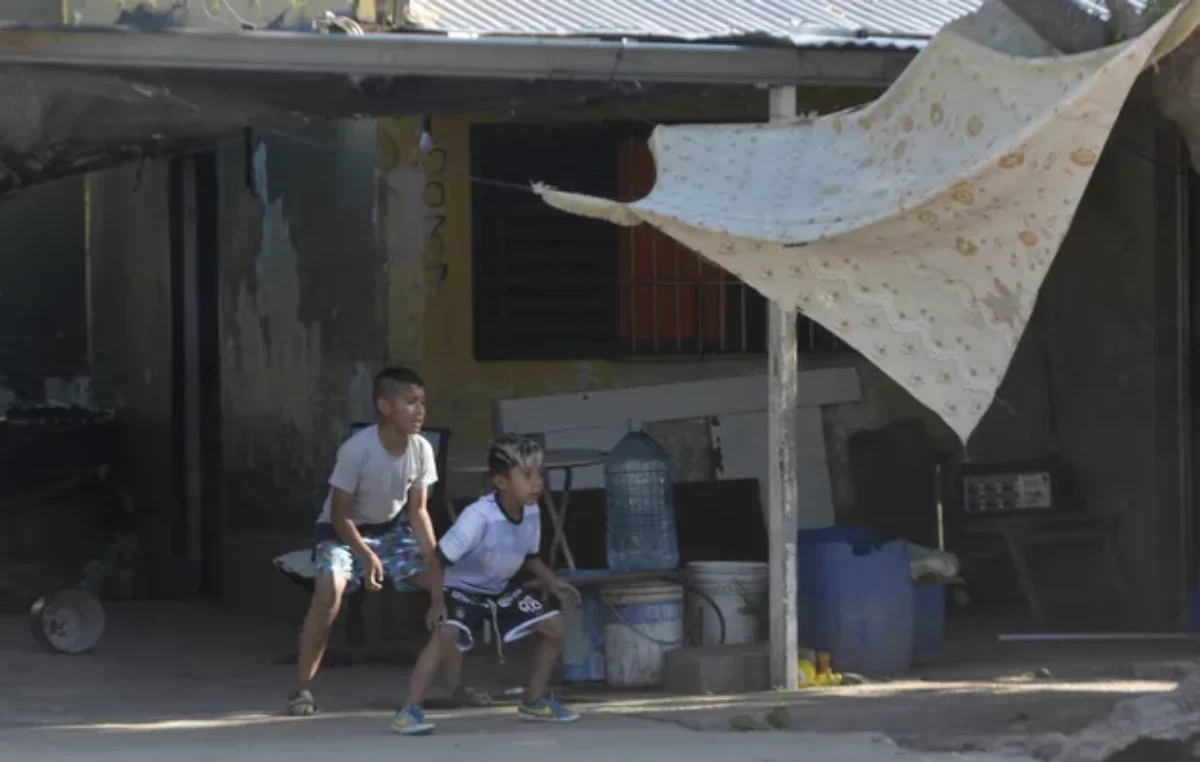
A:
[(548, 709), (410, 721)]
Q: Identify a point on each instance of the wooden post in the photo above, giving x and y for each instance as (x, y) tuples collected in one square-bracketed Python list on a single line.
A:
[(781, 438)]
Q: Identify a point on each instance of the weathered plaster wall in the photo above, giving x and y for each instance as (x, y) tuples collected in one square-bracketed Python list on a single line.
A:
[(302, 288), (129, 258), (42, 289)]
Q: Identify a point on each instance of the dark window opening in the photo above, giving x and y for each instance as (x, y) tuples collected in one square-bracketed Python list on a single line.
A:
[(553, 286)]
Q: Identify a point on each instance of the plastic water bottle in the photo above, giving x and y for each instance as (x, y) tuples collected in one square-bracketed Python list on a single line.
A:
[(639, 489)]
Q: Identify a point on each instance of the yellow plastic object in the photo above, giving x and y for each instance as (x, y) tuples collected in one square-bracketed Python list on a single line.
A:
[(819, 674)]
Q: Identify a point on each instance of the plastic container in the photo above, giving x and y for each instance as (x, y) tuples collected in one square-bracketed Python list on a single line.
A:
[(645, 622), (583, 650), (929, 622), (639, 489), (855, 600), (734, 586)]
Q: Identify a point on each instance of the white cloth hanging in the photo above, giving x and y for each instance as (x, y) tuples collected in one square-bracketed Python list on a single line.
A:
[(918, 228)]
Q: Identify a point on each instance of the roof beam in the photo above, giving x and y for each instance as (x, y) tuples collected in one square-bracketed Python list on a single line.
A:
[(446, 56)]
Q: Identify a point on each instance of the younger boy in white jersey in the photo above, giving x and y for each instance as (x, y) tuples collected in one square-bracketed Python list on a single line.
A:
[(494, 538)]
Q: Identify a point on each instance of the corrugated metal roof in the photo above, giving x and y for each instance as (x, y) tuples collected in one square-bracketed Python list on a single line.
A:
[(808, 22)]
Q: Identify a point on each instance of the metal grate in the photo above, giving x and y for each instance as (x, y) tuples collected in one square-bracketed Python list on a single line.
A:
[(672, 300), (555, 286)]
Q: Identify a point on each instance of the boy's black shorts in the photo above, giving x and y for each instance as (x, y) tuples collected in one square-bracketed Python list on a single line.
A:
[(513, 614)]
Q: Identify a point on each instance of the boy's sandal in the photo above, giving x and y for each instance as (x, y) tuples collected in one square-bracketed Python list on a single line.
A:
[(301, 704)]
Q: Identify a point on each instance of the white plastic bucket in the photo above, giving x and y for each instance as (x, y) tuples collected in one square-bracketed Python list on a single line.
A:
[(646, 621), (731, 586)]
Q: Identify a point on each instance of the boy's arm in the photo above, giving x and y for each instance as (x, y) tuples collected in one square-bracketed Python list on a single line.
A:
[(339, 516), (535, 566), (419, 520), (561, 589), (418, 499), (343, 484)]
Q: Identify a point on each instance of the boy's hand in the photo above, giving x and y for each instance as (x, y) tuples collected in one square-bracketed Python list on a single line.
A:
[(565, 593), (373, 573), (436, 614)]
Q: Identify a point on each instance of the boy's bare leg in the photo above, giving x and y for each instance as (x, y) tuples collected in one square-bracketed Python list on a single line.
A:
[(314, 635), (452, 665), (549, 646), (428, 663), (451, 658)]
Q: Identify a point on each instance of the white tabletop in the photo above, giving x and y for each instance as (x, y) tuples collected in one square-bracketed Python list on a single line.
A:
[(552, 460)]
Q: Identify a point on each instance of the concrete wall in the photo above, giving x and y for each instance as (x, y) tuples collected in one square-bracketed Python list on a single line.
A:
[(130, 262), (42, 294), (303, 327)]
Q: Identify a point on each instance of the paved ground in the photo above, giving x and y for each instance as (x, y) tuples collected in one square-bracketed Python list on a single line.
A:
[(187, 681), (596, 739)]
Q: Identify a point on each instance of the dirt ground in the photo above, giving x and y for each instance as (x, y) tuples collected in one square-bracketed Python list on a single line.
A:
[(186, 677)]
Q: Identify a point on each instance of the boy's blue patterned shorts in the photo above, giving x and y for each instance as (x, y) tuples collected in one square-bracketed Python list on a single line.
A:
[(398, 550)]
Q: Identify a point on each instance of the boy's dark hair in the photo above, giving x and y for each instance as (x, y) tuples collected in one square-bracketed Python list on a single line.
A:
[(510, 451), (392, 380)]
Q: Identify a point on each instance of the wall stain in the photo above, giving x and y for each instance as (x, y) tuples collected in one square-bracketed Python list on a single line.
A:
[(276, 359)]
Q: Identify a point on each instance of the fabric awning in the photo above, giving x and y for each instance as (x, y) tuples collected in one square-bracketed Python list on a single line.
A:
[(918, 228)]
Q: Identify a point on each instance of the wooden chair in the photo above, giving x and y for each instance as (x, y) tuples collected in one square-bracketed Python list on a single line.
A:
[(1063, 522), (1019, 535)]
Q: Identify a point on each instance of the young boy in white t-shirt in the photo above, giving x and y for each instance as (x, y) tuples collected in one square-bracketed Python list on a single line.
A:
[(493, 539)]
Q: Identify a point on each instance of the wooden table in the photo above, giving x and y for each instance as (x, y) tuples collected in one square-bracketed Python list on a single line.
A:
[(566, 461), (1020, 534)]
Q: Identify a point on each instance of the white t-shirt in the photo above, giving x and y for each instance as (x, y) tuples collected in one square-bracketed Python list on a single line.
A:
[(378, 480), (486, 548)]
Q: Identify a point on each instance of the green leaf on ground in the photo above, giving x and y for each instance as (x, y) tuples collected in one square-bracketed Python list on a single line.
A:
[(779, 719), (742, 723)]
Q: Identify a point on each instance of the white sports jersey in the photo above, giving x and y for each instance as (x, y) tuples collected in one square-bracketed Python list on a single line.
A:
[(486, 548)]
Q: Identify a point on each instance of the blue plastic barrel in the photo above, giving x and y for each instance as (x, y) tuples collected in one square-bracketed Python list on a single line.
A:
[(855, 600), (929, 622)]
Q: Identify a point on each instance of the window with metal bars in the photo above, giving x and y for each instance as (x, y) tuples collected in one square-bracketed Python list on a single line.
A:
[(549, 285)]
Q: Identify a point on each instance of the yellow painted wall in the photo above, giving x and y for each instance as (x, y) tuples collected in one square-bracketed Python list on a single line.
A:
[(435, 332)]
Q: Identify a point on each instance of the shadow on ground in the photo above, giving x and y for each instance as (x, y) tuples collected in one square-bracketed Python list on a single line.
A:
[(186, 668)]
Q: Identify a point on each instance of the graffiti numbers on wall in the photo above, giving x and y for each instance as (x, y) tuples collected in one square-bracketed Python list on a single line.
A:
[(433, 195)]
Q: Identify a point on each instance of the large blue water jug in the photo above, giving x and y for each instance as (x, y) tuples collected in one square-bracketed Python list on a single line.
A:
[(639, 492)]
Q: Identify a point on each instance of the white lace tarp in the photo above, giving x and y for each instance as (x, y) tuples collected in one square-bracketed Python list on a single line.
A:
[(918, 228)]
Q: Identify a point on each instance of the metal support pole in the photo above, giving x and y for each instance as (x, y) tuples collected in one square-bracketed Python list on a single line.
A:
[(782, 494)]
